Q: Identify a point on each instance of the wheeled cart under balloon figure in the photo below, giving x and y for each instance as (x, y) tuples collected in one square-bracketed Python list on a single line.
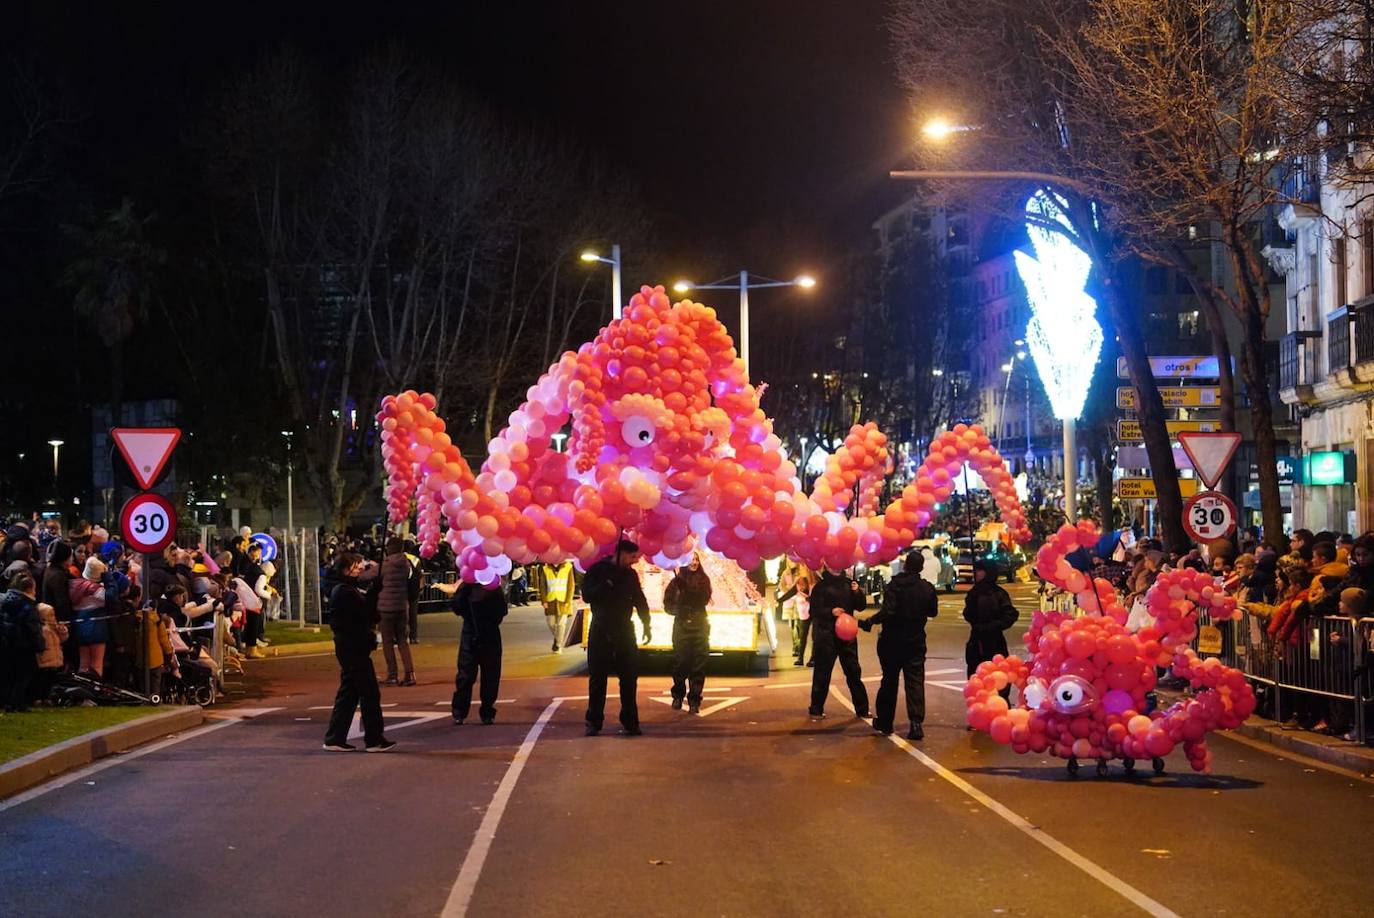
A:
[(1084, 682)]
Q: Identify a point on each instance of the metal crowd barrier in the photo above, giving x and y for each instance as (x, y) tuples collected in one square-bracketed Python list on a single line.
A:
[(432, 599)]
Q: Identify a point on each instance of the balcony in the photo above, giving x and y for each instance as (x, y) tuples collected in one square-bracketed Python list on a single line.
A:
[(1299, 365), (1338, 352), (1364, 329)]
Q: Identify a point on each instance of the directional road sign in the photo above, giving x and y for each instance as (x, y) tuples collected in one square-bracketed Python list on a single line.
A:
[(1210, 452), (1209, 515), (1176, 367), (148, 522), (146, 450), (1144, 488), (1174, 396), (1129, 431)]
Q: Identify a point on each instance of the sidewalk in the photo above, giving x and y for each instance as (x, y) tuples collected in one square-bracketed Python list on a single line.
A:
[(1330, 749)]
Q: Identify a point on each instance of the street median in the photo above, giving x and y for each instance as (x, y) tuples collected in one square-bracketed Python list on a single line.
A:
[(27, 771)]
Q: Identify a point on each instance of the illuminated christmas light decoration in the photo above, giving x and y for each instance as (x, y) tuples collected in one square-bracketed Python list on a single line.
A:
[(1064, 336)]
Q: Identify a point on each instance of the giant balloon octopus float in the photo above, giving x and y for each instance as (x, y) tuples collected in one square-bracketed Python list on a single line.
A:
[(1084, 682), (669, 446)]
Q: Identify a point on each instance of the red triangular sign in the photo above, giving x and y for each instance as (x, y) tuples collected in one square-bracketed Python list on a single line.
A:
[(146, 450), (1210, 452)]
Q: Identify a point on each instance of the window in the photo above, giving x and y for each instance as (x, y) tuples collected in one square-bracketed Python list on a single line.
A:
[(1338, 255), (1367, 256), (1188, 324)]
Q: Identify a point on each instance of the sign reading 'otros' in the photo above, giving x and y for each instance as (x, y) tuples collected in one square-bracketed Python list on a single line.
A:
[(1063, 334)]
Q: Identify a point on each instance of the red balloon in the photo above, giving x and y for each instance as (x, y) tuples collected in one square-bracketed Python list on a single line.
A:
[(846, 627)]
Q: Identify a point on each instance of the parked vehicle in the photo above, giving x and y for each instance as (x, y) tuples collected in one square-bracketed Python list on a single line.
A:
[(940, 569), (1007, 561)]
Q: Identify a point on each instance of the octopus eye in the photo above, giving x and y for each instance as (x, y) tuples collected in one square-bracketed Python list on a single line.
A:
[(1034, 693), (1072, 694), (637, 431)]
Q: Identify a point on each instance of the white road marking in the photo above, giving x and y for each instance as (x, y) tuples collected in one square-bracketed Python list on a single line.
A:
[(460, 897), (416, 717), (709, 709), (1035, 833), (498, 701), (70, 777)]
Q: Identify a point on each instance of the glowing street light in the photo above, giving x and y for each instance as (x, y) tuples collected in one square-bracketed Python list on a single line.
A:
[(1063, 336), (743, 283), (56, 447), (593, 257)]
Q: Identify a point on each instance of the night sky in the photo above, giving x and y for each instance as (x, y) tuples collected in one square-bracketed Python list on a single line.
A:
[(758, 132)]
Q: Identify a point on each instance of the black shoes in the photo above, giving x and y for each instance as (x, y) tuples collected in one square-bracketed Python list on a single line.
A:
[(863, 715), (916, 733), (555, 647), (391, 680), (339, 747), (408, 680), (633, 731), (488, 721), (677, 704), (383, 746), (885, 731), (694, 708), (815, 713), (458, 721), (593, 730)]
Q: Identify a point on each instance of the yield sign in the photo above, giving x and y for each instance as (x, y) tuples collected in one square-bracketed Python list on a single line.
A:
[(1210, 452), (146, 450), (709, 709)]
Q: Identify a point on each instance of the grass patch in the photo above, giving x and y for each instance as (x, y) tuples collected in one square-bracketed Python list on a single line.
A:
[(41, 727), (290, 633)]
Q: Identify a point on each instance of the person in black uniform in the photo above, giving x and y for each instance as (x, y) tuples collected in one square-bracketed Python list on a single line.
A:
[(989, 612), (354, 640), (685, 599), (833, 594), (612, 589), (908, 602), (479, 650)]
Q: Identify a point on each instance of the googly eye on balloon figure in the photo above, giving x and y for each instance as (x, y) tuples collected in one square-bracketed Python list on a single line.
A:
[(637, 431), (1072, 695)]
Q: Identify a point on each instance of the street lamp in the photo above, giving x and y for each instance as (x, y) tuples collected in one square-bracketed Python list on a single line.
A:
[(743, 283), (591, 256), (56, 446), (290, 505)]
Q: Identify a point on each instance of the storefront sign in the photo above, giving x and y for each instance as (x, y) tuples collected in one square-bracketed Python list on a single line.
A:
[(1128, 431), (1144, 488), (1328, 468), (1175, 396)]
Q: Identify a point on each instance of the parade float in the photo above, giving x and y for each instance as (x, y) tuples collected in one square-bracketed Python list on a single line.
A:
[(668, 445)]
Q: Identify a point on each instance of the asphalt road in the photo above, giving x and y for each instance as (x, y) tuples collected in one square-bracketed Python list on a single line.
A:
[(753, 809)]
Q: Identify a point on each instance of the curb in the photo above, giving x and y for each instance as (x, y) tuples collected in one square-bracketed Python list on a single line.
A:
[(290, 650), (37, 767), (1350, 756)]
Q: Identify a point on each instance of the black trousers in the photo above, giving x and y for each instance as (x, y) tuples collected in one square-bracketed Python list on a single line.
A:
[(910, 666), (357, 688), (252, 628), (413, 611), (612, 653), (477, 659), (20, 668), (691, 648), (828, 649)]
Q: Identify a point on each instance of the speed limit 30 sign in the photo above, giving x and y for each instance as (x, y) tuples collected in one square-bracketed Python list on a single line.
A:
[(1209, 515), (148, 522)]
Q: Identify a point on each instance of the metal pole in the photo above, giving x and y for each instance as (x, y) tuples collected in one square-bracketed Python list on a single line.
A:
[(616, 302), (143, 625), (300, 582), (744, 318), (1028, 422), (1070, 472)]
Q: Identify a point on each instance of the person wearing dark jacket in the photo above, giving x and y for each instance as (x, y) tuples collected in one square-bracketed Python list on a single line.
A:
[(834, 594), (1262, 585), (57, 580), (612, 589), (989, 612), (354, 641), (479, 650), (393, 604), (908, 602), (685, 599), (21, 640)]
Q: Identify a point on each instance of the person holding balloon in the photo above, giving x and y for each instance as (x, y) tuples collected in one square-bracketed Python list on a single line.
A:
[(989, 612), (908, 603), (612, 589), (834, 633)]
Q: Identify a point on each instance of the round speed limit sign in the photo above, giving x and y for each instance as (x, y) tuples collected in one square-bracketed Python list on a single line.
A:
[(1209, 515), (148, 522)]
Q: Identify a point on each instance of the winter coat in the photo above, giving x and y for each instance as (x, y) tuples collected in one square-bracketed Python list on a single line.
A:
[(482, 610), (86, 594), (830, 592), (54, 633), (159, 640), (1261, 586), (685, 599), (56, 591), (989, 612), (908, 602), (614, 594), (395, 595), (21, 630), (350, 620)]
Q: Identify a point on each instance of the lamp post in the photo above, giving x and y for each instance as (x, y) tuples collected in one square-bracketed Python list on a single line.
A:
[(290, 504), (56, 447), (743, 283), (591, 256)]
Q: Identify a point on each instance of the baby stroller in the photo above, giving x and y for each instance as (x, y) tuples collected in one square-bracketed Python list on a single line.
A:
[(70, 690), (193, 681)]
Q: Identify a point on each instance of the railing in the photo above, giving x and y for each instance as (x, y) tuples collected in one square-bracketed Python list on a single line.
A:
[(1338, 340), (1364, 332), (432, 599), (1298, 359)]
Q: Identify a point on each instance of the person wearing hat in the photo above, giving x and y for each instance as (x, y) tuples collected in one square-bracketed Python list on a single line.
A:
[(989, 612), (612, 589), (92, 631)]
